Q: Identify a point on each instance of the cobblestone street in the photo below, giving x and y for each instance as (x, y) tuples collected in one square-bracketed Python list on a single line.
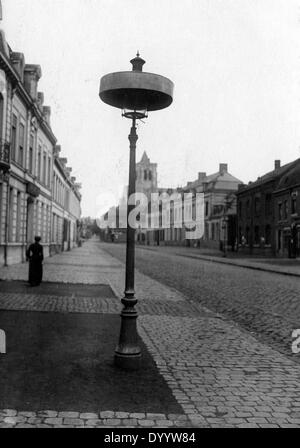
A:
[(264, 303), (220, 336)]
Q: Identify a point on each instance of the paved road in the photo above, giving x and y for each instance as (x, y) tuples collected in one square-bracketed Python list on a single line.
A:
[(218, 372), (266, 304)]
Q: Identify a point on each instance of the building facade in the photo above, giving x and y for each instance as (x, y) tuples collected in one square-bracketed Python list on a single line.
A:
[(268, 211), (219, 206), (27, 162), (171, 222), (287, 214), (66, 209), (216, 222)]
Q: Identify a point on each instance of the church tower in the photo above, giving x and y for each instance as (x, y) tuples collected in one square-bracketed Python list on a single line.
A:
[(146, 176)]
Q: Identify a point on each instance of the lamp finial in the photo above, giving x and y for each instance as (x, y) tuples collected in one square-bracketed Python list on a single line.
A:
[(137, 63)]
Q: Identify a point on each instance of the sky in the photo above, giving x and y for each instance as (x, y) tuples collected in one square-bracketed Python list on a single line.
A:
[(235, 65)]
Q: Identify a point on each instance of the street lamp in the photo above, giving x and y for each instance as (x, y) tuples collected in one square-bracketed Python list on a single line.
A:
[(136, 93)]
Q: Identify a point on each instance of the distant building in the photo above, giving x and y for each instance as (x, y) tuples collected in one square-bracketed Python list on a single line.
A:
[(219, 212), (218, 190), (66, 210), (219, 206), (268, 211), (287, 213)]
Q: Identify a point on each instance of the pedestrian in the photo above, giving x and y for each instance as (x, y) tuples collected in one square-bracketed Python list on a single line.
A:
[(35, 256)]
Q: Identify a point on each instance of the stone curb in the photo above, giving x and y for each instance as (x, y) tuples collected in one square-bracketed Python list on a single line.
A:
[(243, 265), (11, 418)]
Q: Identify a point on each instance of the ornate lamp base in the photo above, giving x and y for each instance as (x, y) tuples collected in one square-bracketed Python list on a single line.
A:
[(128, 353)]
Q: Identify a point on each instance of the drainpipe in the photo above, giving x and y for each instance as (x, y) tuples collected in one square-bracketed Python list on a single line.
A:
[(24, 227), (6, 224), (51, 227), (12, 93)]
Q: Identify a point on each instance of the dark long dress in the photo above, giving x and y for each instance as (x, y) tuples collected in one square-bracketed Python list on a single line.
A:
[(35, 255)]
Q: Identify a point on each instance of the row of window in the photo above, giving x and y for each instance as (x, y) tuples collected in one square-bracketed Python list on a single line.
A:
[(260, 235), (172, 234), (16, 218), (16, 224), (213, 231), (245, 207), (41, 168), (60, 192), (283, 207)]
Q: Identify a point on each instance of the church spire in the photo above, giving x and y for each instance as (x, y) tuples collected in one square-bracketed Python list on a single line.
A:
[(144, 158), (1, 10)]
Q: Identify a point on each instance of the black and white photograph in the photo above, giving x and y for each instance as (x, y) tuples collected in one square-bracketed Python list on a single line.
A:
[(149, 217)]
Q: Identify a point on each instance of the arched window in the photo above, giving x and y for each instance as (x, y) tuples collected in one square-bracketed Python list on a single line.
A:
[(150, 175), (145, 175)]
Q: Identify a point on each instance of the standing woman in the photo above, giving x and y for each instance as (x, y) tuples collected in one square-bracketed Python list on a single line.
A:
[(35, 255)]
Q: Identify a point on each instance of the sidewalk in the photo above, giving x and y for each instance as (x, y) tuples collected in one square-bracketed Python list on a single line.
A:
[(213, 373), (276, 265)]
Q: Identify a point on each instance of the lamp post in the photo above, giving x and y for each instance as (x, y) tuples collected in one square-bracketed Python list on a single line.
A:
[(135, 93)]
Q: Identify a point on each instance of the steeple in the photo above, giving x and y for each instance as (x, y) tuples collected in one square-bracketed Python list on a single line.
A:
[(144, 158), (1, 10)]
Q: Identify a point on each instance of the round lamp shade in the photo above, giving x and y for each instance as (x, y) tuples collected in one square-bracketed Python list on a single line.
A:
[(136, 90)]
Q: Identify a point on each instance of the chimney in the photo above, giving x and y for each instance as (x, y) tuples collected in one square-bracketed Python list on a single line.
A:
[(223, 168), (57, 150), (201, 176), (18, 62), (32, 74), (277, 164), (40, 100), (47, 114)]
